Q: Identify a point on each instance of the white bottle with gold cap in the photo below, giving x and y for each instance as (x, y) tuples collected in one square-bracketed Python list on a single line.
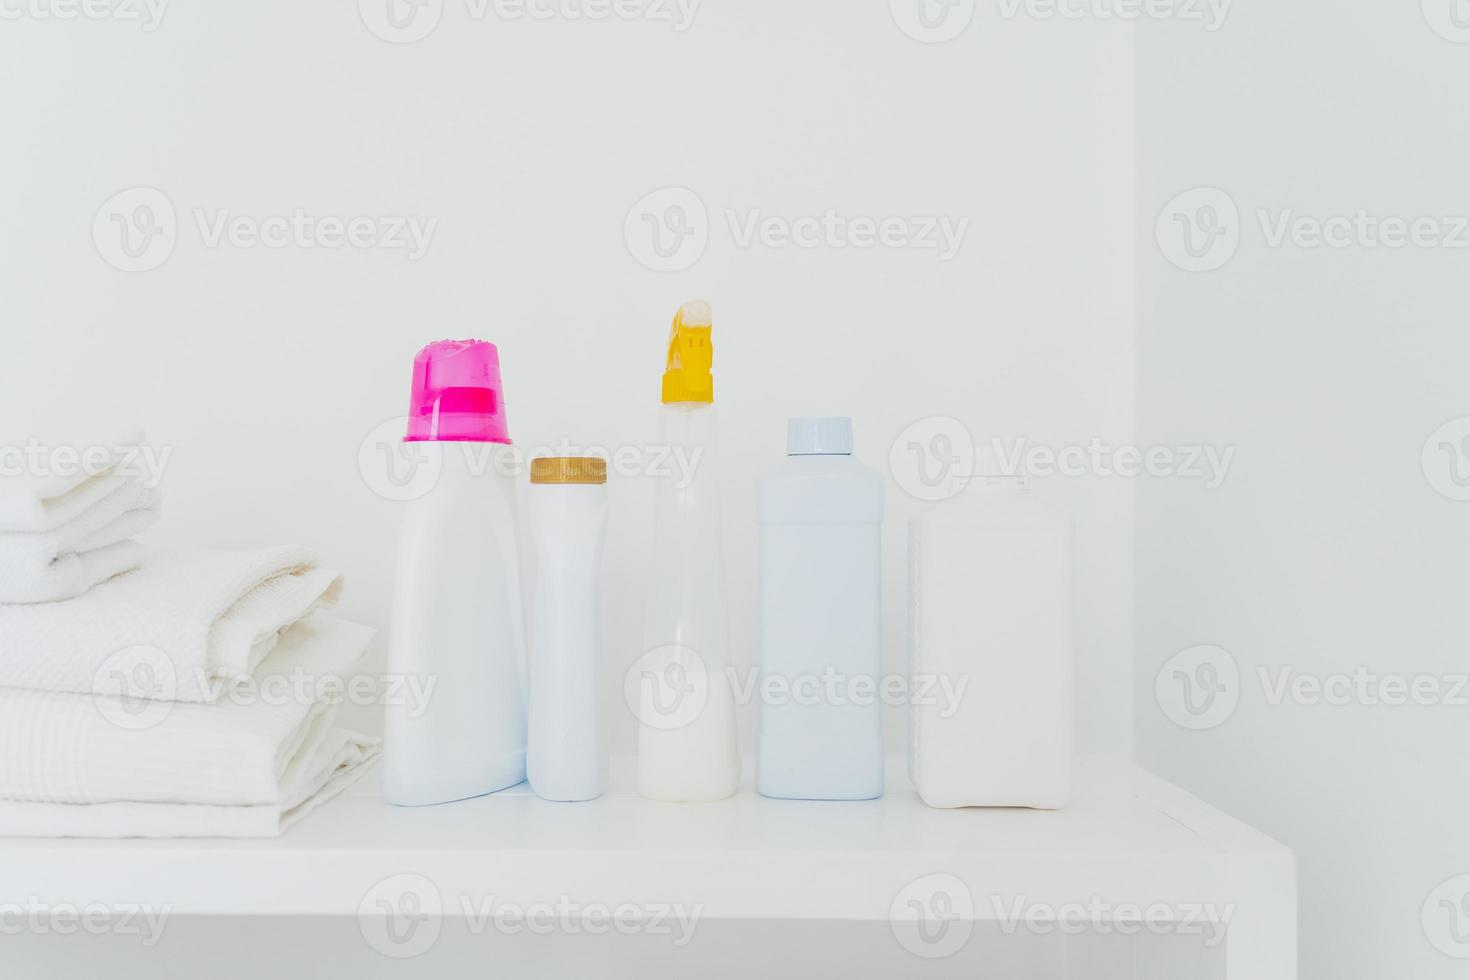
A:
[(568, 514)]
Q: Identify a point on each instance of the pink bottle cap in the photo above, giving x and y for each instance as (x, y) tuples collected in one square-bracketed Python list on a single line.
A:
[(456, 394)]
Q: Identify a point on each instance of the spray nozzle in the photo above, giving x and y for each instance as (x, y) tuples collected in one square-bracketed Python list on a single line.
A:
[(687, 375)]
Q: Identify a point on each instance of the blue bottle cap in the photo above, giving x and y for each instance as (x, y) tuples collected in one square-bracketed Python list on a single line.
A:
[(819, 437)]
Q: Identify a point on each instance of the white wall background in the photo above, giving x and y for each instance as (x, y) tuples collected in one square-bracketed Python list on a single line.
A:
[(1330, 548), (529, 141)]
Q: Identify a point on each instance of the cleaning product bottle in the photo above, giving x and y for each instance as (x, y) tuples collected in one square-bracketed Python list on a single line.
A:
[(567, 507), (686, 705), (991, 618), (821, 585), (457, 627)]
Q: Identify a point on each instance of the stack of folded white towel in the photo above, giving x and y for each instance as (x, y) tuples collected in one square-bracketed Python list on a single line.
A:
[(67, 523), (193, 694)]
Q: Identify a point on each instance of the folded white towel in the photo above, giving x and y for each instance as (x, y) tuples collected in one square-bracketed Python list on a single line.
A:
[(45, 483), (82, 547), (341, 759), (181, 627), (247, 749)]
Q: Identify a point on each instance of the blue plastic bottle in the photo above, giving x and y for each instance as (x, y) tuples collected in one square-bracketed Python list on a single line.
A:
[(821, 515)]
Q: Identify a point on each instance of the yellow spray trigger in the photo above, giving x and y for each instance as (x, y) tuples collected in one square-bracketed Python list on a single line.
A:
[(691, 352)]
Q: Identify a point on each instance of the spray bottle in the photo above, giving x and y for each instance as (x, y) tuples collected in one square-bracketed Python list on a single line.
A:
[(687, 747)]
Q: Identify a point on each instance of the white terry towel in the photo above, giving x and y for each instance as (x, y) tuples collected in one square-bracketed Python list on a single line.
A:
[(181, 627), (78, 550), (45, 483), (84, 748), (340, 761), (97, 766), (67, 511)]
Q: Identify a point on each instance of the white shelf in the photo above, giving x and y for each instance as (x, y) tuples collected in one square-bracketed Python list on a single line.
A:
[(1130, 838)]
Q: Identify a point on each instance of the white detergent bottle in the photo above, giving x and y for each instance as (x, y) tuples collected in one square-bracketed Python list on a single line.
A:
[(567, 506), (457, 634), (991, 618), (821, 623), (680, 684)]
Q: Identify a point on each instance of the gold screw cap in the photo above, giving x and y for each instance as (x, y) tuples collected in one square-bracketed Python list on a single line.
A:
[(568, 469)]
